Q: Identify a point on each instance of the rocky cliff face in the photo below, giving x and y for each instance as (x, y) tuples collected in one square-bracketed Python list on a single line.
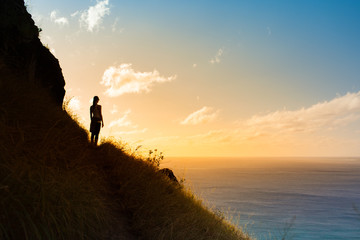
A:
[(22, 51)]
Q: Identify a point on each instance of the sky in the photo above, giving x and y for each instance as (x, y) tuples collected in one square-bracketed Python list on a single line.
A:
[(212, 78)]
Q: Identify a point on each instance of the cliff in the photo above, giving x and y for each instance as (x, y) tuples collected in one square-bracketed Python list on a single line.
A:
[(22, 51)]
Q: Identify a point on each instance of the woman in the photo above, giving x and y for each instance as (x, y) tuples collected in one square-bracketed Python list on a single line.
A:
[(96, 120)]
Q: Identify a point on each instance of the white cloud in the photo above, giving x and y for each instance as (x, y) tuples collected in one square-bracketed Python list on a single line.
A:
[(92, 18), (123, 121), (217, 58), (62, 21), (123, 79), (340, 111), (204, 115)]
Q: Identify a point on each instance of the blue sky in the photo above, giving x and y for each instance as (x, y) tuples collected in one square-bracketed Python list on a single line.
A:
[(221, 72)]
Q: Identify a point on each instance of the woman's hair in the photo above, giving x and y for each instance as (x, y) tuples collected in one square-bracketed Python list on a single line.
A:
[(96, 99)]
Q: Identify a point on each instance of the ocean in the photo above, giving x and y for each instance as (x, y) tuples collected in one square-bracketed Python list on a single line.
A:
[(300, 198)]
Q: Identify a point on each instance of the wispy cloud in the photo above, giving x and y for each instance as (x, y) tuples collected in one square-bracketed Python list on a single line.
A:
[(93, 17), (325, 115), (303, 131), (220, 136), (313, 130), (114, 109), (74, 14), (123, 79), (62, 21), (204, 115), (127, 126), (123, 121), (114, 26), (136, 131), (217, 57)]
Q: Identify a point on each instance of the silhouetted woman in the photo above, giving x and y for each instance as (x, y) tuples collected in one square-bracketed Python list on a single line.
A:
[(96, 120)]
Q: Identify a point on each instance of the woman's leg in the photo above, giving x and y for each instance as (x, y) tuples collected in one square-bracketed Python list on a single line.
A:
[(92, 138), (96, 139)]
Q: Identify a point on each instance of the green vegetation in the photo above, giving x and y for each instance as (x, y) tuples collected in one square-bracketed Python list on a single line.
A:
[(54, 186)]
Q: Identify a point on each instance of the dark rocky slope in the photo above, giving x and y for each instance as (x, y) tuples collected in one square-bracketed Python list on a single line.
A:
[(22, 51)]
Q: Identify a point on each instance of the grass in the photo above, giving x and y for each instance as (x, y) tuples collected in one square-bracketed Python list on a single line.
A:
[(54, 186), (48, 188)]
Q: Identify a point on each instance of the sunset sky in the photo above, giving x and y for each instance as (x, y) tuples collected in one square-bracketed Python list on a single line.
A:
[(213, 78)]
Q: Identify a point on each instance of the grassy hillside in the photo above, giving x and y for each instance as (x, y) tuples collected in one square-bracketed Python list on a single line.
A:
[(54, 186)]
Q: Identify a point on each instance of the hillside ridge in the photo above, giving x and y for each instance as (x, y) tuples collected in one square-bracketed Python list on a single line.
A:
[(53, 185)]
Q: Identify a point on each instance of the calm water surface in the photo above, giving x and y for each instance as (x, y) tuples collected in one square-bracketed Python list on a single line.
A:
[(307, 198)]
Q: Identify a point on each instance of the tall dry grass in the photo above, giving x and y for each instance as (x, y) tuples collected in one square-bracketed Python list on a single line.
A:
[(158, 208), (54, 186), (48, 188)]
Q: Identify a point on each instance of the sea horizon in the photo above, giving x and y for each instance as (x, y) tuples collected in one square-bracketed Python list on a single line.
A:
[(303, 197)]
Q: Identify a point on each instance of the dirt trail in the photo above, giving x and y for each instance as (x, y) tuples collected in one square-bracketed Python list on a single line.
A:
[(120, 230)]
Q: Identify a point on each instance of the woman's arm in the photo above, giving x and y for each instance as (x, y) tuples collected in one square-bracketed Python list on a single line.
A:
[(91, 111), (102, 121)]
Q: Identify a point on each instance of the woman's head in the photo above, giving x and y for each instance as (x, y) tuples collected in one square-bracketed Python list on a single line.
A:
[(95, 100)]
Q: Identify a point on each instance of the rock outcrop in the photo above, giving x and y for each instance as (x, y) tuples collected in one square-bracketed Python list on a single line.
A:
[(169, 173), (22, 51)]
